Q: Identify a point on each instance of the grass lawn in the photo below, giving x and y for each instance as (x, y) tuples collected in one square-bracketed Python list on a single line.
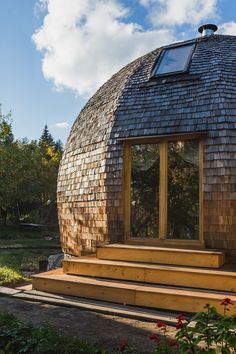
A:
[(21, 250), (22, 232), (29, 243)]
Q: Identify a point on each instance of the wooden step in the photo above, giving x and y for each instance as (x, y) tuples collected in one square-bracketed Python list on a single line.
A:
[(159, 255), (104, 307), (152, 273), (130, 293)]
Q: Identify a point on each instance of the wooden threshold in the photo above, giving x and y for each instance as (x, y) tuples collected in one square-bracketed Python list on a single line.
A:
[(191, 244)]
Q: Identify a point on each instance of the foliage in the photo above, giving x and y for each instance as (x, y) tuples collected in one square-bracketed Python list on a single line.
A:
[(207, 332), (20, 337), (25, 260), (28, 233), (163, 343), (6, 135), (10, 276), (28, 175), (21, 250), (215, 332)]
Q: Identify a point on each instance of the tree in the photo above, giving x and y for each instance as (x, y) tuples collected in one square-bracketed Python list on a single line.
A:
[(8, 161), (44, 165), (6, 135), (28, 173), (46, 138)]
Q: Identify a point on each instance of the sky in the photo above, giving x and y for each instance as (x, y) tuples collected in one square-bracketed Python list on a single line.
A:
[(55, 54)]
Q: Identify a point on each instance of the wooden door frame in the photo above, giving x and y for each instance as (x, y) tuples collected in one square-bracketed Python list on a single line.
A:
[(162, 239)]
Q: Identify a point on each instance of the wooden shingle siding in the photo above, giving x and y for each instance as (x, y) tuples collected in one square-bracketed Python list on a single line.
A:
[(90, 199)]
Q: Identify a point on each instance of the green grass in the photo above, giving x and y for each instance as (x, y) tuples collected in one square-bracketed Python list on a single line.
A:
[(21, 251), (28, 242), (25, 260), (11, 277), (19, 232)]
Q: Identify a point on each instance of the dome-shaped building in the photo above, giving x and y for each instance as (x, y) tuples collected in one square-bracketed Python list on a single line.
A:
[(148, 182), (151, 158)]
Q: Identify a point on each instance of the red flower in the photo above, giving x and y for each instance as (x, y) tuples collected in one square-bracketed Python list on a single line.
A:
[(155, 338), (226, 301), (180, 317), (161, 324), (179, 325), (174, 343), (123, 345)]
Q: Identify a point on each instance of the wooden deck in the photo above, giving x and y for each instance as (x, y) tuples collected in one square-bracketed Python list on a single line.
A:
[(144, 280)]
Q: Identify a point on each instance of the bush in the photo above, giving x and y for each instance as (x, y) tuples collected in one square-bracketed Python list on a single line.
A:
[(207, 332), (19, 337), (10, 276)]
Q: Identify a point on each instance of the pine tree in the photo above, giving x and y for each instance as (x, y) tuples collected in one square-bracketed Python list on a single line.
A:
[(59, 146), (46, 139)]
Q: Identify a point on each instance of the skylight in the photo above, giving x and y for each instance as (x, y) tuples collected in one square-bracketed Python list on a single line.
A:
[(174, 60)]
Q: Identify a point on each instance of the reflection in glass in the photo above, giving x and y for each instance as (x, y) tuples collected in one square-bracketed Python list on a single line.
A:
[(174, 59), (183, 190), (145, 190)]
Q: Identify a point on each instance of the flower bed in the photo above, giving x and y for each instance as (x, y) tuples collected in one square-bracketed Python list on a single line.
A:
[(207, 332)]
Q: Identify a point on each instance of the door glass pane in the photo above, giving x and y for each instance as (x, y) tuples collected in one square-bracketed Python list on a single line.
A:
[(183, 190), (145, 190)]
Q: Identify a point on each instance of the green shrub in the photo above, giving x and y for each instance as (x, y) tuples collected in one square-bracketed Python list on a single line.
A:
[(10, 276), (211, 332), (207, 332), (20, 337)]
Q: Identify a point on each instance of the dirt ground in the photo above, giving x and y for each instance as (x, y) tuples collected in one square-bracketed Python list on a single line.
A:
[(105, 330)]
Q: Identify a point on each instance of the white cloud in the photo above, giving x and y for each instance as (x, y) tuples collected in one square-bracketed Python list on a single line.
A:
[(40, 7), (179, 12), (228, 28), (61, 125), (84, 42)]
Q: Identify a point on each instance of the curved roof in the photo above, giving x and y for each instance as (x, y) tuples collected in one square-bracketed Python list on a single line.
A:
[(130, 104)]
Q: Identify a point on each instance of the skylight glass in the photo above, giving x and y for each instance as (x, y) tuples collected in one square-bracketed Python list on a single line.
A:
[(174, 60)]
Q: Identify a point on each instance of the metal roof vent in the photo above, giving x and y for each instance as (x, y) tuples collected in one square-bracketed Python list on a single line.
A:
[(208, 29)]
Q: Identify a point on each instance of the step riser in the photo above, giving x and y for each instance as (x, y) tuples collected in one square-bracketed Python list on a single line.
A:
[(159, 276), (137, 296), (161, 257), (90, 291)]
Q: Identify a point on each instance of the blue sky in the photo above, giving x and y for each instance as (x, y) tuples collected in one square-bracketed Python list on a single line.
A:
[(56, 53)]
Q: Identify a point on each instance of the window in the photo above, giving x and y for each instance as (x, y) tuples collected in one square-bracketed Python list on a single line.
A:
[(145, 166), (183, 190), (174, 60), (163, 190)]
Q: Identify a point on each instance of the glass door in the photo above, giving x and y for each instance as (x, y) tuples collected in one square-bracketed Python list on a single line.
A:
[(183, 190), (145, 167), (163, 191)]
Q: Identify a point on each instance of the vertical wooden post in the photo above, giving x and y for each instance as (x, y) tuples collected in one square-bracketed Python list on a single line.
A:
[(127, 189), (201, 201), (163, 190)]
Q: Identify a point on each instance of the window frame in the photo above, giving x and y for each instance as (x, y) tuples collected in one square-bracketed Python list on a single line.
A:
[(159, 59), (162, 239)]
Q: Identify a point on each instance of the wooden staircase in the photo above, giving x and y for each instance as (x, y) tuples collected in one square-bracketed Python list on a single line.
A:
[(161, 278)]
